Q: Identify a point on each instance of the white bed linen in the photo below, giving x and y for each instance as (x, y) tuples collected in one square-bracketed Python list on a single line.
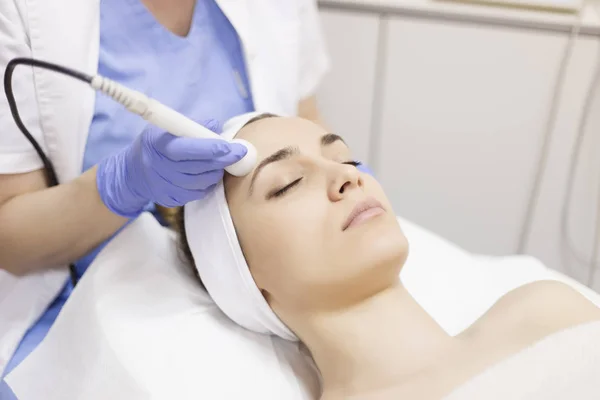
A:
[(139, 327)]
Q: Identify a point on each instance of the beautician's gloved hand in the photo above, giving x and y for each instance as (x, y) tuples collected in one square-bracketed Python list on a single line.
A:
[(363, 168), (164, 169)]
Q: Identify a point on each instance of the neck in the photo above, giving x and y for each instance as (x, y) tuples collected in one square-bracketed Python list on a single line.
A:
[(176, 16), (383, 340)]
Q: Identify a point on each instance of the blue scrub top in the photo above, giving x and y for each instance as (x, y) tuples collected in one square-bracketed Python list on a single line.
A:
[(202, 75)]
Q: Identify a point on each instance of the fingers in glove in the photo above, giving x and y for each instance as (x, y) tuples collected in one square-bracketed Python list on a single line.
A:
[(189, 149), (363, 168), (194, 181), (200, 167), (213, 125)]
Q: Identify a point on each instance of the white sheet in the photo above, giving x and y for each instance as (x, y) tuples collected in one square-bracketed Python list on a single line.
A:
[(138, 326)]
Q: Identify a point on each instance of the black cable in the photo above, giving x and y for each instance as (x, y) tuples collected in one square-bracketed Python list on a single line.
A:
[(51, 178)]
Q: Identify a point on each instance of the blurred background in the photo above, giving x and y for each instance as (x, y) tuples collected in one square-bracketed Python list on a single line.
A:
[(481, 120)]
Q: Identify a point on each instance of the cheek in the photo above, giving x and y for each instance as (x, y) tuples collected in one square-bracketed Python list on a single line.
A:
[(283, 242)]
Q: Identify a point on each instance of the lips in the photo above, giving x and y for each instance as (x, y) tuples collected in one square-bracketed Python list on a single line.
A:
[(363, 211)]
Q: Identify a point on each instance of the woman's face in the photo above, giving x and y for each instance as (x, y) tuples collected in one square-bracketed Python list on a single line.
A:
[(294, 212)]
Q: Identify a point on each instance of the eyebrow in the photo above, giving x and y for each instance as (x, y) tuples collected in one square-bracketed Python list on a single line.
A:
[(279, 155), (286, 153), (330, 138)]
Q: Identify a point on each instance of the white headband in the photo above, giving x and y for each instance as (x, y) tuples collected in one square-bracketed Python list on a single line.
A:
[(219, 259)]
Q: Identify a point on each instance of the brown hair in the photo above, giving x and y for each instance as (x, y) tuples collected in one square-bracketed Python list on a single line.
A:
[(175, 218)]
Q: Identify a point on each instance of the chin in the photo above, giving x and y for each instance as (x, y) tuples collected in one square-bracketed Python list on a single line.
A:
[(390, 253), (382, 246)]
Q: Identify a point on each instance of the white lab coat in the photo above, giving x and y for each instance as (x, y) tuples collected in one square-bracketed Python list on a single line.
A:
[(286, 59)]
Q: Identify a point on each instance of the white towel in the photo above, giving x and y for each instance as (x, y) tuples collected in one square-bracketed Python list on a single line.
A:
[(564, 365), (219, 259)]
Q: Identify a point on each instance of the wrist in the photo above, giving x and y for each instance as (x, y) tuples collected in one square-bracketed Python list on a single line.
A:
[(115, 192)]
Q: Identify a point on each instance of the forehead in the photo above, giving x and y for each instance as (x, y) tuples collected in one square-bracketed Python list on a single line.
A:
[(271, 134)]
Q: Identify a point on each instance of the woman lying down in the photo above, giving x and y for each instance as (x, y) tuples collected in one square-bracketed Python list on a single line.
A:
[(308, 248)]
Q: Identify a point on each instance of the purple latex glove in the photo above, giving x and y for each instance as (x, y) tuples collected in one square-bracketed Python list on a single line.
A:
[(164, 169), (363, 168)]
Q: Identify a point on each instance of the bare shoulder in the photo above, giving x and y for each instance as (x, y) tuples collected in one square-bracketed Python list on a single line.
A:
[(556, 301), (538, 309)]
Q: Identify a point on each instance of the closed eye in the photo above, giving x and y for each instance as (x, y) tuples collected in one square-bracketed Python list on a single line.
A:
[(283, 190), (286, 188), (353, 163)]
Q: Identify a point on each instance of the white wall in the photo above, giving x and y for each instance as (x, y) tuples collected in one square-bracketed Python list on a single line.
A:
[(347, 94), (547, 240), (451, 113)]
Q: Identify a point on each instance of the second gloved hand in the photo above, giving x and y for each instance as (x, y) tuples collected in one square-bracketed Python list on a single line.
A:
[(164, 169), (365, 169)]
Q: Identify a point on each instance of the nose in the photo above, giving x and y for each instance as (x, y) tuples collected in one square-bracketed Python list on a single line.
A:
[(344, 179)]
